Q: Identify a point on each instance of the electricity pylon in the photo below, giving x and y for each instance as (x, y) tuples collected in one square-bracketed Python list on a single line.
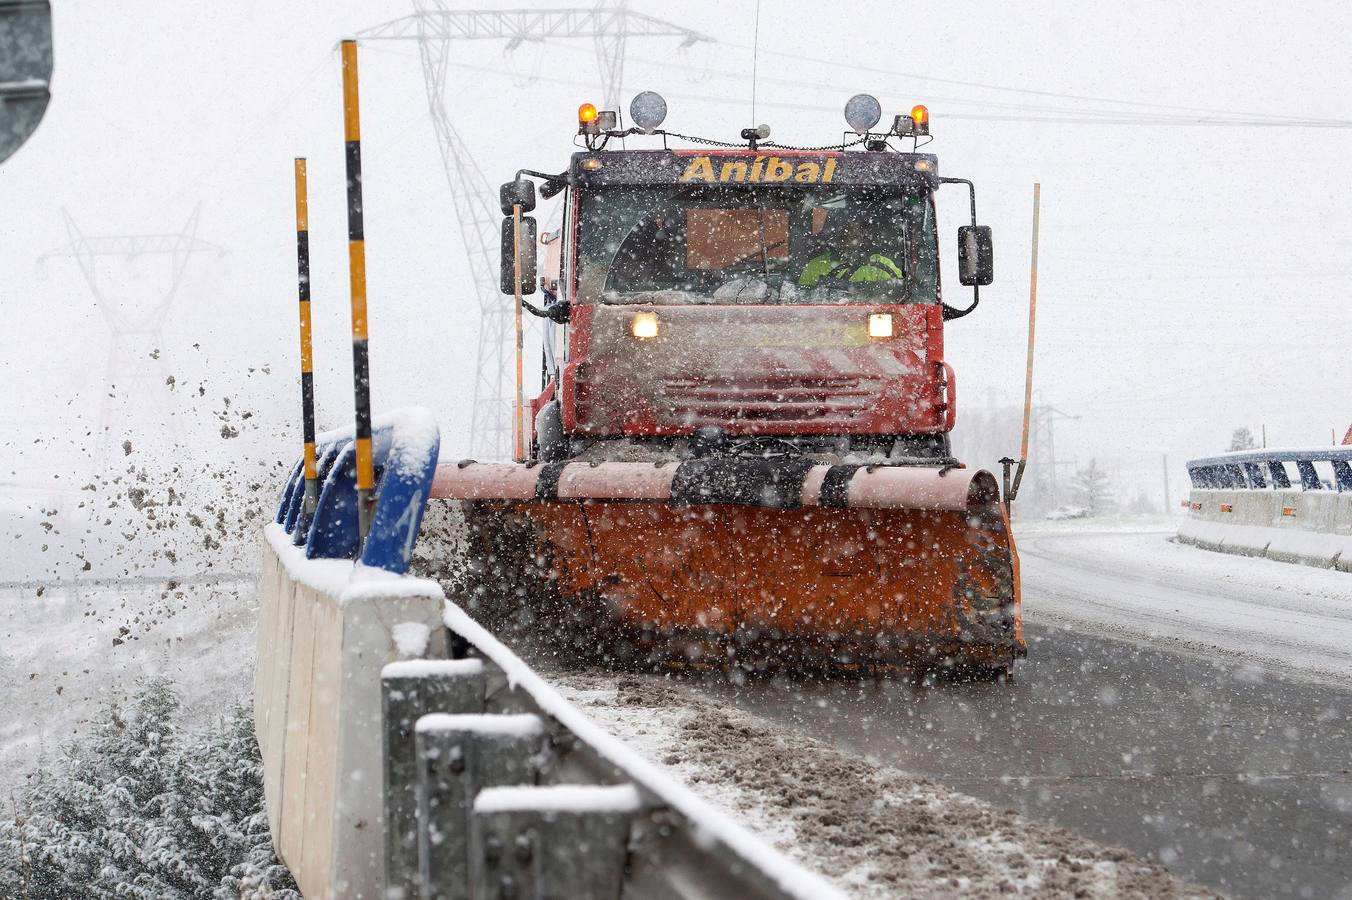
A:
[(136, 368), (1044, 447), (434, 25)]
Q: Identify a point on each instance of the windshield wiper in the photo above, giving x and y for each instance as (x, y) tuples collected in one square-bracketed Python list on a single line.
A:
[(765, 250)]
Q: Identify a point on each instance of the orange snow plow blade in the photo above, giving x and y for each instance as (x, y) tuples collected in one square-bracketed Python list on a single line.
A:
[(842, 563)]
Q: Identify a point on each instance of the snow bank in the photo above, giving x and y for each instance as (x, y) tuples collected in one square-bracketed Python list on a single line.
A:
[(875, 831)]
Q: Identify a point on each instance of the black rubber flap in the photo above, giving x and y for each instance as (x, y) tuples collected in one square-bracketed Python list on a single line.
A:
[(836, 485), (547, 485), (773, 483)]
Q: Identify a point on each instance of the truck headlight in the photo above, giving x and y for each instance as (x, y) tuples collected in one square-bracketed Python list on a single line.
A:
[(644, 325), (879, 325)]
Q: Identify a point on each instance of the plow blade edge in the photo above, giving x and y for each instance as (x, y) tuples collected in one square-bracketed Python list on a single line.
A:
[(709, 559)]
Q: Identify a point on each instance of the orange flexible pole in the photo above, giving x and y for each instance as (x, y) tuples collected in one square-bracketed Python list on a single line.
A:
[(1032, 324)]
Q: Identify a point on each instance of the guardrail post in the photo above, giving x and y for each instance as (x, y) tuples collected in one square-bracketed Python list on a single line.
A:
[(557, 841), (410, 690), (1342, 475), (457, 755)]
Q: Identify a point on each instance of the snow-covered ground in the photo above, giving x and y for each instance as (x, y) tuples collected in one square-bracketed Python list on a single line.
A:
[(1133, 580), (148, 572), (873, 830), (67, 653)]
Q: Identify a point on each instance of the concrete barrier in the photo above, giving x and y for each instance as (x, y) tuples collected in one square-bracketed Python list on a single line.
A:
[(335, 765), (326, 630), (357, 705), (1275, 504)]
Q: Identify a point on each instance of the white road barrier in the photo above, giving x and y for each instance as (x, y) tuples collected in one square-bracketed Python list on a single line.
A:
[(372, 759), (324, 634), (1288, 505)]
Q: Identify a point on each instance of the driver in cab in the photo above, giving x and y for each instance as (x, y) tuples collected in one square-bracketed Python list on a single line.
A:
[(849, 255)]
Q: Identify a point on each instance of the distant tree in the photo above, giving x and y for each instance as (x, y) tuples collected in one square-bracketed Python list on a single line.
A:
[(1242, 439), (1142, 505), (143, 810), (1092, 490)]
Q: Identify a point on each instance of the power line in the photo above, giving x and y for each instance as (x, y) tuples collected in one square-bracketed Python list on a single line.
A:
[(1080, 98), (1045, 113), (434, 25), (755, 62), (1134, 121)]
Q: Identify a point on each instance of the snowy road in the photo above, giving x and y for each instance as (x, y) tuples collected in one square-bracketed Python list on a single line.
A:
[(1189, 706), (1141, 586)]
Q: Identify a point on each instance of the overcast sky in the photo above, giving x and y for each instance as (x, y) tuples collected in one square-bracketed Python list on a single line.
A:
[(1189, 279)]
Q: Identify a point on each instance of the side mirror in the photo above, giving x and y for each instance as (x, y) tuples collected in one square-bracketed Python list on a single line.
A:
[(976, 256), (526, 247), (521, 191)]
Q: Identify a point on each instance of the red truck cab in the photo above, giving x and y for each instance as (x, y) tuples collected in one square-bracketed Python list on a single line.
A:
[(766, 297)]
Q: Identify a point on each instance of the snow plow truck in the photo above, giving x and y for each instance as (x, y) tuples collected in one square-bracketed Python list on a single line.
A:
[(739, 453)]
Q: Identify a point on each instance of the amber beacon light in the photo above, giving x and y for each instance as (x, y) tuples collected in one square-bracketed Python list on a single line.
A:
[(920, 116)]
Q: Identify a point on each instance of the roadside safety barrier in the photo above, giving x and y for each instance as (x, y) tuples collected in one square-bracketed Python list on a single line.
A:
[(409, 754), (494, 781), (1290, 505)]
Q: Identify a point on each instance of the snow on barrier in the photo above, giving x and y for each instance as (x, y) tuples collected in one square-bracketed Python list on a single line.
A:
[(394, 771), (404, 447), (1288, 505)]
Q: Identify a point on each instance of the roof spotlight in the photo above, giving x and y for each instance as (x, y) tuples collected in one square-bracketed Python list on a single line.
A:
[(916, 124), (862, 112), (647, 111)]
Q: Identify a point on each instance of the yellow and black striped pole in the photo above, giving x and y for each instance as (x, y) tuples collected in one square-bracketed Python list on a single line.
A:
[(356, 265), (518, 425), (307, 383)]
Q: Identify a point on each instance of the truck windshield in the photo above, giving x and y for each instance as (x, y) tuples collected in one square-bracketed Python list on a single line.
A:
[(682, 244)]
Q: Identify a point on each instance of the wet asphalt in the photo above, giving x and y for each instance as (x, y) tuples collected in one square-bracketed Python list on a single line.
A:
[(1232, 775)]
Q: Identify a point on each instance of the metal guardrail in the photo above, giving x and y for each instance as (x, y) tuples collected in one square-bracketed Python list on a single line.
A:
[(1263, 469), (496, 786), (1254, 503)]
